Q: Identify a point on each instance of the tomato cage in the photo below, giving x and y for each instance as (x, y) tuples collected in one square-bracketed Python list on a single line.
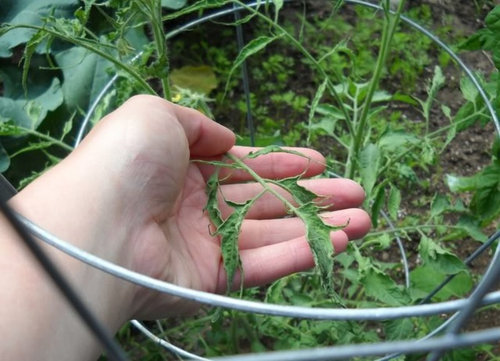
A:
[(461, 310)]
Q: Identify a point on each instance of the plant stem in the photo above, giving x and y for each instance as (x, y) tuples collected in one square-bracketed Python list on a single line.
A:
[(84, 43), (411, 228), (390, 24), (261, 181), (46, 137), (161, 47)]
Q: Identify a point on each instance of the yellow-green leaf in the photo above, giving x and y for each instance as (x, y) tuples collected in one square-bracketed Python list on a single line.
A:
[(200, 79)]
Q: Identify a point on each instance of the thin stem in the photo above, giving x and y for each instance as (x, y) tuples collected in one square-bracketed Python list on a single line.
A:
[(411, 228), (46, 137), (389, 28), (84, 43), (161, 47), (261, 181)]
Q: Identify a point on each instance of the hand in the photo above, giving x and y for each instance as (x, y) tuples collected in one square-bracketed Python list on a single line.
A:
[(164, 195), (130, 194)]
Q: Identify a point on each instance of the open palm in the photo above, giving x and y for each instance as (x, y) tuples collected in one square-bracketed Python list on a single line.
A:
[(165, 197)]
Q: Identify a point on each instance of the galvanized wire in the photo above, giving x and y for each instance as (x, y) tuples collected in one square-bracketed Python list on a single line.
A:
[(364, 314), (347, 352), (170, 347)]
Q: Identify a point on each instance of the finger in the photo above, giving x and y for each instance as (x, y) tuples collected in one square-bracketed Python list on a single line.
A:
[(357, 221), (334, 194), (266, 264), (206, 137), (274, 165), (259, 233)]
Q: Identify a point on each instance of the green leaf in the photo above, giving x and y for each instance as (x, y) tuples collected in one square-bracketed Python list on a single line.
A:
[(487, 178), (446, 111), (369, 163), (4, 159), (405, 99), (200, 79), (212, 207), (394, 202), (460, 184), (229, 231), (477, 40), (471, 226), (253, 47), (437, 82), (68, 125), (384, 241), (85, 68), (422, 283), (28, 12), (383, 288), (469, 91), (278, 4), (485, 202), (399, 329), (378, 202), (493, 19), (461, 355), (273, 149), (440, 203), (330, 111), (381, 96), (326, 125), (29, 49), (173, 4), (30, 112), (317, 232), (317, 97), (12, 112), (438, 257), (486, 188), (394, 141)]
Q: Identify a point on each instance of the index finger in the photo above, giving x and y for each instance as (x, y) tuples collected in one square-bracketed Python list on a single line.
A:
[(274, 165), (205, 136)]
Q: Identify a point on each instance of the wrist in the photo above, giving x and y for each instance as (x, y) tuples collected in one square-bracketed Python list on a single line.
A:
[(70, 204)]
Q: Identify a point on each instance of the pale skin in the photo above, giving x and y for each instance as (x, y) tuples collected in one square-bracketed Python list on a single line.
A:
[(131, 194)]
